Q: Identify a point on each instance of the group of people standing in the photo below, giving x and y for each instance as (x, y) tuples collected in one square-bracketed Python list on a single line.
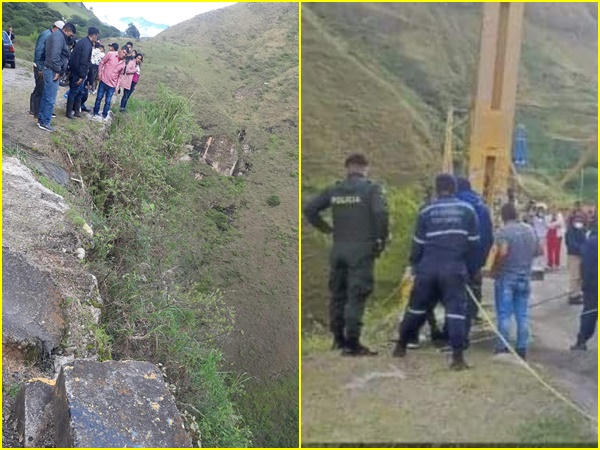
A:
[(553, 229), (453, 240), (90, 69)]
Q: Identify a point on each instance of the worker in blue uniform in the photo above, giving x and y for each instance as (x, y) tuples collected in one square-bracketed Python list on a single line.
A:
[(589, 275), (446, 237), (486, 233)]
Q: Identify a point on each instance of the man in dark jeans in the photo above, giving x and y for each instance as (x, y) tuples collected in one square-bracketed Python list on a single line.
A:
[(55, 64), (39, 58), (517, 246), (80, 65)]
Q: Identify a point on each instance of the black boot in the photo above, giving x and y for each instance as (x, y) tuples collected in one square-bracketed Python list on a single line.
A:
[(77, 108), (576, 299), (458, 361), (579, 346), (339, 342), (522, 353), (69, 113), (399, 350), (355, 348)]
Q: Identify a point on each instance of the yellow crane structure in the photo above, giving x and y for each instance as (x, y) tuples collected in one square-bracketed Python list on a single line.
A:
[(494, 101)]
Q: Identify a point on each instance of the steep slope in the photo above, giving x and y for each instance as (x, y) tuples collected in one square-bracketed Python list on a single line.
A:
[(29, 18), (239, 66), (379, 77)]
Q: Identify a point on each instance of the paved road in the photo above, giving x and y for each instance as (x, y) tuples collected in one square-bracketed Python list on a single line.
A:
[(555, 326)]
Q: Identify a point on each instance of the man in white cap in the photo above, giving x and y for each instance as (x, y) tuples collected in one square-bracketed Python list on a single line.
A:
[(39, 58)]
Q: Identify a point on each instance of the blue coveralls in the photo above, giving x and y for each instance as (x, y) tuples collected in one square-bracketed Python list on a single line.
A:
[(446, 236), (589, 272)]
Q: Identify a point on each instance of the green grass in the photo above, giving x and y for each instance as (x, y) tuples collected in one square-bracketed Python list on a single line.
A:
[(271, 410), (28, 18), (156, 226)]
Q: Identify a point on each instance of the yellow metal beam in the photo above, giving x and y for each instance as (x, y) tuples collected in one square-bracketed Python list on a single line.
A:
[(493, 110)]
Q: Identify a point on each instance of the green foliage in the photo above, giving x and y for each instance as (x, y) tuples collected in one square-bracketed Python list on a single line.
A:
[(155, 227), (271, 411), (31, 18), (132, 31), (52, 185), (273, 200)]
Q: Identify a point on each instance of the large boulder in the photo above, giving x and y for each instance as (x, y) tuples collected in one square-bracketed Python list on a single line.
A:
[(33, 408), (115, 404), (48, 296)]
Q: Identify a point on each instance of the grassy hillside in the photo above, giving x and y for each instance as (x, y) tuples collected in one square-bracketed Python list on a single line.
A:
[(379, 78), (239, 68), (29, 18)]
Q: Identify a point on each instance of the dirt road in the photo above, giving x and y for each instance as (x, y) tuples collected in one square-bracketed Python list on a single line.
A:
[(417, 400)]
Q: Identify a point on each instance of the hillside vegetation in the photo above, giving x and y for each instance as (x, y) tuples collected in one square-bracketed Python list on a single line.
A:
[(379, 78), (29, 18)]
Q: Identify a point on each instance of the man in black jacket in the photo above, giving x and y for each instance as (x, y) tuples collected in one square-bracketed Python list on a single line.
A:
[(55, 64), (360, 234), (80, 62)]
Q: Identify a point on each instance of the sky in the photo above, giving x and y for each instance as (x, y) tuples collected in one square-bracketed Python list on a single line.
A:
[(166, 13)]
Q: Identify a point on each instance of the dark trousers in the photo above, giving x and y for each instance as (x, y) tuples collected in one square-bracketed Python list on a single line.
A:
[(589, 316), (350, 284), (428, 288), (38, 91), (126, 94), (76, 91)]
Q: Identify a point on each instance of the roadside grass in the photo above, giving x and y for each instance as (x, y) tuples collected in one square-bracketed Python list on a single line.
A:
[(155, 228), (415, 401), (267, 410)]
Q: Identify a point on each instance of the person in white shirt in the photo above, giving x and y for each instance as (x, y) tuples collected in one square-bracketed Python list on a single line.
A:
[(97, 55)]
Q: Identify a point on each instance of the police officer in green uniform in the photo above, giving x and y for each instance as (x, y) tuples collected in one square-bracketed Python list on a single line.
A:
[(360, 233)]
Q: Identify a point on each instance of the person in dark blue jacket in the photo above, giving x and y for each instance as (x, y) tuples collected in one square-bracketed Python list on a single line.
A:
[(80, 62), (589, 275), (55, 64), (39, 56), (575, 239), (486, 232), (446, 238)]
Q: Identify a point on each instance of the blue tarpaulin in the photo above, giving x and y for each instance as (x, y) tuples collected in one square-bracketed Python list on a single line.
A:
[(520, 146)]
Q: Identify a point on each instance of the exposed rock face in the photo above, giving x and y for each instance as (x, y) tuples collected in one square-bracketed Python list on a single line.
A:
[(48, 297), (115, 404), (33, 408)]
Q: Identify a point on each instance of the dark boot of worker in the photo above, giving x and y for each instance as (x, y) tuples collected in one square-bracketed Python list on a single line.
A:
[(399, 350), (576, 300), (458, 361), (522, 353), (355, 348), (339, 342), (69, 113), (579, 347), (77, 108)]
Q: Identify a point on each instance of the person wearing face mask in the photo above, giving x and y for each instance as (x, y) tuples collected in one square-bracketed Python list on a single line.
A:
[(575, 240)]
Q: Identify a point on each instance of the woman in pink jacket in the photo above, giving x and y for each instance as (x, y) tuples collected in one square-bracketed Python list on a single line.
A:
[(128, 73)]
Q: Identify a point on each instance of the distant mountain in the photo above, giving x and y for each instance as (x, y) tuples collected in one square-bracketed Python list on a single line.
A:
[(141, 22), (145, 27)]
